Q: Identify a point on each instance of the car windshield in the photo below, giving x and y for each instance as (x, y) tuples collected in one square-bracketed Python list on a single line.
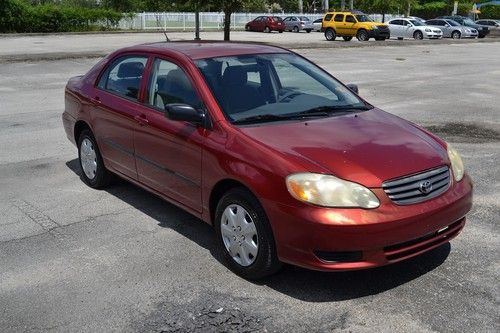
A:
[(363, 18), (417, 23), (469, 21), (453, 23), (303, 18), (270, 87)]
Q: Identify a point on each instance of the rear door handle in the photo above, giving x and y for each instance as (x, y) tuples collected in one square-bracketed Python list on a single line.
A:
[(96, 100), (141, 119)]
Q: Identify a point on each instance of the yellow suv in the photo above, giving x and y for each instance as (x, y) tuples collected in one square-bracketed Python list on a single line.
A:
[(350, 24)]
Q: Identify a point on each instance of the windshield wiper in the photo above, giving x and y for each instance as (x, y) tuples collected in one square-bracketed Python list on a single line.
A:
[(260, 118), (334, 109), (320, 111)]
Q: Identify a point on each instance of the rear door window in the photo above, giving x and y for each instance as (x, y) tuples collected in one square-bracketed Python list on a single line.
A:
[(123, 77), (339, 18)]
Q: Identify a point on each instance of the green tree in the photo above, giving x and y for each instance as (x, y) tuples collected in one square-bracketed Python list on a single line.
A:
[(379, 6)]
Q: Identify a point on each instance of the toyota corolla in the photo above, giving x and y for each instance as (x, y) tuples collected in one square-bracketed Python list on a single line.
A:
[(286, 163)]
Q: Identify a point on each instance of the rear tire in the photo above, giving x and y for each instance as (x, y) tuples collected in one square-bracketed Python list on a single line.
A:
[(94, 173), (267, 30), (244, 235), (347, 38), (330, 34), (296, 29), (418, 35), (456, 35), (308, 30), (362, 35), (281, 31)]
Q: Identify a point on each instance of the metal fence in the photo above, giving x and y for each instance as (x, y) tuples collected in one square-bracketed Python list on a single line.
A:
[(186, 21)]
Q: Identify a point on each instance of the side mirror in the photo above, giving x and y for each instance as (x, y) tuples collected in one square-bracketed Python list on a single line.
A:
[(353, 87), (184, 112)]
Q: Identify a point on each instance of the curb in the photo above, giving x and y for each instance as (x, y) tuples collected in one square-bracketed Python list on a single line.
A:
[(52, 56)]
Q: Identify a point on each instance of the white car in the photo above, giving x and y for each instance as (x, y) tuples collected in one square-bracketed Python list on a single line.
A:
[(410, 28)]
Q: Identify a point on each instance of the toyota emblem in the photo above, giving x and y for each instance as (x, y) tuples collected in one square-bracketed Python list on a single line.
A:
[(425, 187)]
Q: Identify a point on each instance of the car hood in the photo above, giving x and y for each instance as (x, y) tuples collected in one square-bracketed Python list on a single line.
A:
[(367, 147)]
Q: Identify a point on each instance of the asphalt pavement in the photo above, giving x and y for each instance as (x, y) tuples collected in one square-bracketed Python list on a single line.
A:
[(75, 259)]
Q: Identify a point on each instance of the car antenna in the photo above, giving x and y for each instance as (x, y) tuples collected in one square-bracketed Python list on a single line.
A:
[(158, 25)]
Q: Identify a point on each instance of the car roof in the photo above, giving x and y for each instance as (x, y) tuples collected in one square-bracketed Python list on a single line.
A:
[(205, 49)]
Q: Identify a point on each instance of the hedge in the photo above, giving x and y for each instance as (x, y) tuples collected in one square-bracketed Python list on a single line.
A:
[(490, 12), (441, 8), (15, 16)]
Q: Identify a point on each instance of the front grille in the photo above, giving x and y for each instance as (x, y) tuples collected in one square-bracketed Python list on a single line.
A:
[(418, 187)]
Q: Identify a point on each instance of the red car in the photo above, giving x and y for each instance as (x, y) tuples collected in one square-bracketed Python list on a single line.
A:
[(288, 164), (266, 24)]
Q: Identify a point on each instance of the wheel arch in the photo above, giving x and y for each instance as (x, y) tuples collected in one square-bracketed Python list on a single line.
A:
[(80, 126), (219, 189)]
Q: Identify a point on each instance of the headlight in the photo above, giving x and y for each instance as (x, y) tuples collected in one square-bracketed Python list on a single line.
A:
[(467, 30), (329, 191), (457, 166), (428, 30), (375, 27)]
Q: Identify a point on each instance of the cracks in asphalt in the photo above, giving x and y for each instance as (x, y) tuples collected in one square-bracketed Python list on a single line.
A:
[(49, 225), (211, 311), (465, 133)]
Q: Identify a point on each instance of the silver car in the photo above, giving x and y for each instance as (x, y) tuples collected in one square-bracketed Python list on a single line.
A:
[(298, 23), (410, 28), (453, 29), (318, 24)]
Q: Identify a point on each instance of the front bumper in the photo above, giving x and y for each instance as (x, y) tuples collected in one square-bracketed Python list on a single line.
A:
[(379, 33), (470, 35), (433, 34), (483, 33), (310, 236)]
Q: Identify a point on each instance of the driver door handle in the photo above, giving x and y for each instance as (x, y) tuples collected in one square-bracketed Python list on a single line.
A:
[(141, 119)]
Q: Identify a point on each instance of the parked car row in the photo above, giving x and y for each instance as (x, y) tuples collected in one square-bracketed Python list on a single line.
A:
[(349, 24), (276, 23)]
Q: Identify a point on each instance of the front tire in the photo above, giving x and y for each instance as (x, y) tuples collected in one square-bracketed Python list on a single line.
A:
[(330, 34), (347, 38), (418, 35), (456, 35), (245, 236), (362, 35), (94, 173), (308, 30)]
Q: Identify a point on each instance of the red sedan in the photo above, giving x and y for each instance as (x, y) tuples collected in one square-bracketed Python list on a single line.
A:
[(288, 164), (266, 24)]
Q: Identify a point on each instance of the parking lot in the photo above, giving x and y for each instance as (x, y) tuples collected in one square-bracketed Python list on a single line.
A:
[(77, 259)]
